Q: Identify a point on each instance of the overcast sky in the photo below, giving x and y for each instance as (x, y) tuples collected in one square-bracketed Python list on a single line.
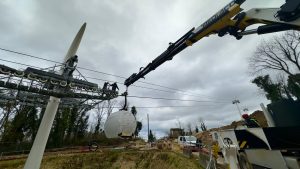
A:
[(124, 35)]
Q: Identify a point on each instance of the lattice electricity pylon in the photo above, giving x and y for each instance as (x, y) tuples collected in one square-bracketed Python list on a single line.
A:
[(49, 83)]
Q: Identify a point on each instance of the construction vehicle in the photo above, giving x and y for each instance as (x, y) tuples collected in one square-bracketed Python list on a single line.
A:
[(272, 147)]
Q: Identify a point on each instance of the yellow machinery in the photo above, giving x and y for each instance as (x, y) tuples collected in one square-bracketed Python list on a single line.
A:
[(230, 20), (271, 147)]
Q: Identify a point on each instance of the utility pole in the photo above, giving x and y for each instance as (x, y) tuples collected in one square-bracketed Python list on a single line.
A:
[(148, 127), (36, 153), (236, 102)]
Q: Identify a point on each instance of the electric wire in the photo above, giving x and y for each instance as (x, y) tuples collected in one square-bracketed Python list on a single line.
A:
[(94, 78), (88, 77), (121, 83), (153, 84), (157, 107), (172, 99), (25, 54), (18, 63), (96, 71), (173, 89), (141, 97)]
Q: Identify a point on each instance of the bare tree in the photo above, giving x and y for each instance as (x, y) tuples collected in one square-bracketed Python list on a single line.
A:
[(100, 112), (189, 128), (282, 81), (202, 124), (7, 107), (178, 123), (110, 106), (102, 109), (281, 53)]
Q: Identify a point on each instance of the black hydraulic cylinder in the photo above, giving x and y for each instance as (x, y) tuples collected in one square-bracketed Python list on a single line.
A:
[(273, 28)]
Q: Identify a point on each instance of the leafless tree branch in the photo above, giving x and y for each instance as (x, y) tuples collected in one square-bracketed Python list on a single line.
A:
[(280, 53)]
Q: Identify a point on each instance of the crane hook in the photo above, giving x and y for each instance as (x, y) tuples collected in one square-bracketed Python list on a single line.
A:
[(125, 103)]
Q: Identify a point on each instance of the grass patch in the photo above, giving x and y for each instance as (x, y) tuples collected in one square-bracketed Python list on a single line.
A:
[(115, 159)]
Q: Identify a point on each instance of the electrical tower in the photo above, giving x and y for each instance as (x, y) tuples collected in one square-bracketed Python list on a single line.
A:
[(57, 87)]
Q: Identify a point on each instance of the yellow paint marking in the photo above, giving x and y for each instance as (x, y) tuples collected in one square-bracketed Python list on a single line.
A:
[(243, 144)]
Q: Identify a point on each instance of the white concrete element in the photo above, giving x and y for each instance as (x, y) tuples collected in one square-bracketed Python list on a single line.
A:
[(292, 162), (227, 134), (37, 150), (75, 44), (258, 132), (229, 146), (121, 123), (268, 116), (266, 158), (230, 154)]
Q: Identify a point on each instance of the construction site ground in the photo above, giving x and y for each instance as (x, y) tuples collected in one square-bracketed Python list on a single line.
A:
[(134, 157)]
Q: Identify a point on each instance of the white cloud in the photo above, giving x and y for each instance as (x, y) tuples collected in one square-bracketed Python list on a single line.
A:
[(122, 36)]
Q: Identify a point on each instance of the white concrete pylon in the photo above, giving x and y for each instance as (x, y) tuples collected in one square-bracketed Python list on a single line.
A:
[(37, 150), (75, 44)]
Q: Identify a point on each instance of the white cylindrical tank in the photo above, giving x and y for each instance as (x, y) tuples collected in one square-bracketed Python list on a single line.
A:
[(121, 123)]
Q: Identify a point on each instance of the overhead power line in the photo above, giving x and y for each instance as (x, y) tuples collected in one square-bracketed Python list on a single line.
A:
[(96, 71), (155, 89), (160, 98), (156, 107), (178, 90), (104, 80), (18, 63), (25, 54), (141, 97)]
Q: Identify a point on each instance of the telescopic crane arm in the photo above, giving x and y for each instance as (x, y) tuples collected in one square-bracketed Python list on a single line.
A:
[(230, 20)]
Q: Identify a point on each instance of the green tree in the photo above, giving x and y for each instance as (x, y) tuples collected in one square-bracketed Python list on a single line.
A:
[(63, 127), (294, 86), (139, 127), (82, 125), (151, 137), (32, 123), (133, 111), (197, 129), (22, 124), (139, 124), (8, 110), (71, 128), (280, 53), (56, 137), (273, 91)]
